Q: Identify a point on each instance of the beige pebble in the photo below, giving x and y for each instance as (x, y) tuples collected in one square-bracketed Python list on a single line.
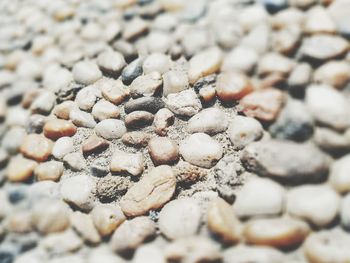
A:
[(163, 150), (162, 120), (63, 109), (113, 90), (20, 169), (55, 129), (36, 147), (207, 94), (232, 86), (83, 224), (136, 138), (129, 163), (51, 170)]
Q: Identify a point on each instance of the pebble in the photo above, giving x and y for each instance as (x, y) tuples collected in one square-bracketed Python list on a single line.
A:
[(223, 222), (268, 198), (318, 21), (113, 90), (173, 216), (44, 103), (20, 169), (150, 193), (107, 218), (99, 168), (74, 161), (13, 139), (332, 141), (210, 121), (127, 163), (94, 144), (103, 254), (57, 78), (184, 103), (204, 63), (63, 109), (82, 118), (50, 216), (136, 138), (244, 130), (272, 158), (163, 150), (111, 63), (274, 63), (274, 6), (299, 77), (87, 97), (286, 41), (62, 147), (138, 119), (276, 232), (134, 29), (339, 11), (333, 73), (232, 86), (149, 253), (104, 109), (163, 119), (132, 71), (132, 233), (174, 81), (150, 104), (36, 147), (201, 150), (84, 198), (328, 106), (146, 85), (156, 62), (86, 72), (61, 243), (51, 170), (84, 226), (188, 173), (317, 204), (110, 129), (264, 105), (258, 38), (327, 246), (339, 177), (207, 94), (241, 59), (56, 128), (344, 212)]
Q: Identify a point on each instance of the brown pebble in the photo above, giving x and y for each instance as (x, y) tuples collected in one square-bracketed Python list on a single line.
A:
[(232, 86), (94, 144), (29, 96), (55, 129), (162, 120), (138, 119), (113, 90), (207, 94), (62, 110), (37, 147), (163, 150), (20, 169), (136, 138)]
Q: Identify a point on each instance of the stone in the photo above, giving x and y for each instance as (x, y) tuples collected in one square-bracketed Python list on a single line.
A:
[(272, 158), (150, 193), (111, 63), (55, 129), (332, 141), (339, 11), (188, 173), (258, 38), (299, 77), (132, 71), (286, 40), (162, 120), (36, 147), (107, 218), (127, 163), (132, 233), (82, 118), (87, 97), (333, 73), (111, 187), (84, 226), (150, 104), (104, 109), (35, 123), (173, 216), (327, 245), (339, 177), (84, 198), (241, 59), (138, 119), (204, 63), (74, 161), (274, 63), (323, 47), (99, 167), (163, 150), (86, 72), (318, 21), (57, 78), (244, 130), (267, 200), (62, 242), (328, 106), (63, 109), (110, 129), (156, 62), (222, 221), (146, 85), (276, 232), (174, 81), (136, 138), (20, 169), (232, 86), (201, 150), (62, 147), (148, 253), (13, 139), (210, 121), (51, 170), (207, 94), (317, 204), (44, 103), (50, 216), (344, 212), (184, 103), (113, 90), (94, 144), (135, 28)]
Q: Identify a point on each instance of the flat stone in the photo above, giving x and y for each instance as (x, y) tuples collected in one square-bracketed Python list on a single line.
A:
[(232, 86), (150, 104), (87, 97), (162, 120), (84, 226), (113, 90), (36, 147), (44, 103), (339, 177), (62, 147), (333, 73), (138, 119), (185, 103), (55, 129), (318, 20), (201, 150), (82, 118), (110, 129), (268, 198), (74, 161), (163, 150), (274, 63), (86, 72), (244, 130), (264, 105), (20, 169), (104, 109), (146, 85), (111, 63), (150, 193), (273, 158), (94, 144), (317, 204), (136, 138), (127, 163), (132, 233), (210, 121), (173, 216), (84, 198), (174, 81), (51, 170)]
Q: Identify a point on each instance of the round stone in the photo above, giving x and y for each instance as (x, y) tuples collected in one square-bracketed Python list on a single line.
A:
[(111, 63), (174, 81), (333, 73), (51, 170), (185, 103), (146, 85), (157, 62), (36, 147), (20, 169), (62, 147), (210, 121), (127, 163), (86, 72), (163, 150), (138, 119), (110, 129), (232, 86), (104, 109)]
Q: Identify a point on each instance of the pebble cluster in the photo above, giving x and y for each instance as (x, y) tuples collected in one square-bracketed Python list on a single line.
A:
[(148, 131)]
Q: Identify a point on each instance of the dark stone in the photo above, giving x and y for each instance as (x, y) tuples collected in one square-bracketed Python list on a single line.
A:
[(150, 104), (132, 71), (273, 6)]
